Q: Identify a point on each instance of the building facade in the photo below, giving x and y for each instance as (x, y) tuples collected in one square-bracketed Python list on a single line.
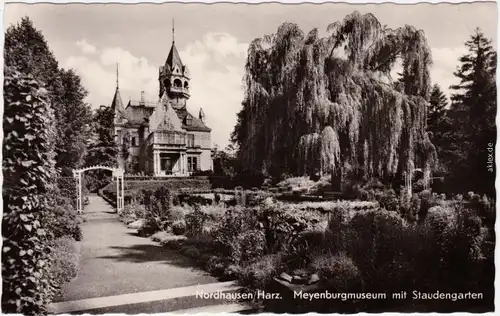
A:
[(163, 138)]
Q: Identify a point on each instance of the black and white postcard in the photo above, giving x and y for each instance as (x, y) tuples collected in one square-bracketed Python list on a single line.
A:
[(248, 158)]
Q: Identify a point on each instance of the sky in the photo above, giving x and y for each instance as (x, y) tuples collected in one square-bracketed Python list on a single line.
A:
[(213, 39)]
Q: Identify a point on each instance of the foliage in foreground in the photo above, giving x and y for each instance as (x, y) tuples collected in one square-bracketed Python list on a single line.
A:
[(35, 215), (64, 267), (28, 169), (373, 250)]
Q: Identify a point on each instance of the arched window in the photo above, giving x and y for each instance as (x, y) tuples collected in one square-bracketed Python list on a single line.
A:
[(177, 83), (186, 85)]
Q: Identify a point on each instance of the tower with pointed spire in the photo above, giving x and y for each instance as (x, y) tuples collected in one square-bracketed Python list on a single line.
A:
[(174, 77), (117, 104)]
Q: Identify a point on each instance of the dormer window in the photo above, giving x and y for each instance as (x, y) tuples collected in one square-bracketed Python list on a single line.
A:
[(189, 120)]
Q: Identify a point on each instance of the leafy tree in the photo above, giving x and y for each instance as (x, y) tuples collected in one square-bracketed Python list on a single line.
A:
[(437, 107), (225, 163), (300, 86), (125, 149), (27, 50), (439, 125), (102, 148), (472, 114), (29, 173), (76, 130)]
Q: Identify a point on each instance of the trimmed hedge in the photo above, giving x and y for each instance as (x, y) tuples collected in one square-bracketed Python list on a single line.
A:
[(28, 171), (132, 189), (39, 221)]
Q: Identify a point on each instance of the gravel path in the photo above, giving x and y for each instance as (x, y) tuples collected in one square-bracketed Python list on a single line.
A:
[(115, 261)]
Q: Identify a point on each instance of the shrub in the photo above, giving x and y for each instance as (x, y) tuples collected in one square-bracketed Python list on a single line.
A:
[(441, 219), (195, 222), (132, 211), (336, 219), (62, 220), (179, 213), (249, 245), (191, 252), (157, 205), (415, 207), (66, 258), (232, 272), (296, 183), (282, 227), (200, 173), (215, 265), (232, 232), (338, 272), (307, 245), (240, 197), (388, 200), (67, 189), (373, 183), (382, 247), (179, 227), (193, 199), (427, 200), (259, 274)]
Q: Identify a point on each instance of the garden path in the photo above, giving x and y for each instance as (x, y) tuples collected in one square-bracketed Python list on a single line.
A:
[(120, 272)]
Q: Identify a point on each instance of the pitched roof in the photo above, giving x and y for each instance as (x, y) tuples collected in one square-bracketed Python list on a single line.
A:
[(137, 114), (195, 125), (117, 104), (173, 58)]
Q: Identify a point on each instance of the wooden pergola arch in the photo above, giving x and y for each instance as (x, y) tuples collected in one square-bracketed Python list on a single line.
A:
[(118, 173)]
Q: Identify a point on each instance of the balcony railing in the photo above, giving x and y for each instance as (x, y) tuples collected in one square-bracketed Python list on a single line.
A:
[(172, 139), (180, 89)]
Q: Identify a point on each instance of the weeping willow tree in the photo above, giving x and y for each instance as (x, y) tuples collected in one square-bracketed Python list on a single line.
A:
[(319, 104)]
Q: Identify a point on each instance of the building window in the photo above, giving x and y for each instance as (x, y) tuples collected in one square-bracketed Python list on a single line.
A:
[(192, 164), (166, 163), (190, 140), (171, 138), (133, 142)]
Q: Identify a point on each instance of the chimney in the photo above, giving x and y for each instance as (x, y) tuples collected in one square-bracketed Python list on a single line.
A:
[(142, 98)]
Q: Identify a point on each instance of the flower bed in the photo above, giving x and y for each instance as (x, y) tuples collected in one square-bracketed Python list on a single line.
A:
[(353, 246)]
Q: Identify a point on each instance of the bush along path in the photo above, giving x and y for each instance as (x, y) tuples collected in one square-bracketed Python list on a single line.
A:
[(123, 273)]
